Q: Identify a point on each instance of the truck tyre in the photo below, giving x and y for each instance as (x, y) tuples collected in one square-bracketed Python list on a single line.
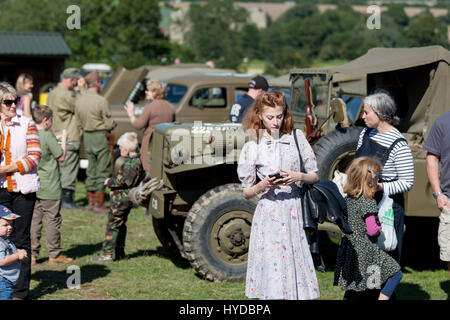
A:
[(216, 233), (336, 150)]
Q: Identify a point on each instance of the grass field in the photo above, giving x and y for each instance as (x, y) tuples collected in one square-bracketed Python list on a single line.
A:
[(150, 272)]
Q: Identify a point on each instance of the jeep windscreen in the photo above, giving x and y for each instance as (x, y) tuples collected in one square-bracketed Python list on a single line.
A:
[(319, 94), (353, 104), (175, 92)]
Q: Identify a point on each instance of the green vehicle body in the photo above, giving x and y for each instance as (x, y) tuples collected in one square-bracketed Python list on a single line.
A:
[(201, 212), (198, 83)]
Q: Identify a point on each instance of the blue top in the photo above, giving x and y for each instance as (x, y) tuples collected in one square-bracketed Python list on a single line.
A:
[(238, 109), (12, 271), (438, 143)]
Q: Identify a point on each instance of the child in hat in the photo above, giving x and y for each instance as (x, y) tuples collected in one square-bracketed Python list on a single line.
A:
[(10, 256)]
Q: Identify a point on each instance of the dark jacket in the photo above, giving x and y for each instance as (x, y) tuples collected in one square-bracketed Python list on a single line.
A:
[(330, 205), (323, 201)]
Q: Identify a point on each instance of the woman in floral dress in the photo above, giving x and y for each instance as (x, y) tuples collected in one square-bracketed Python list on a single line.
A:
[(280, 265)]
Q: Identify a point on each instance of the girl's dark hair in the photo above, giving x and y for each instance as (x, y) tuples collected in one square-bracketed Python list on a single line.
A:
[(40, 112)]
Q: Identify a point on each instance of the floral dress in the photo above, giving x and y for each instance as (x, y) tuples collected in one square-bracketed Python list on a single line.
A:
[(280, 265)]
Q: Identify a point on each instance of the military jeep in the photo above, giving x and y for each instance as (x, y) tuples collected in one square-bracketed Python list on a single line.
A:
[(201, 212), (197, 93)]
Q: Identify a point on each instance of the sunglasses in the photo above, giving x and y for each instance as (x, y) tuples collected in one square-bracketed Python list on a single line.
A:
[(9, 103)]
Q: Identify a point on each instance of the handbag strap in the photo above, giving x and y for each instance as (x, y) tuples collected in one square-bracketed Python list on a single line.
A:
[(302, 166)]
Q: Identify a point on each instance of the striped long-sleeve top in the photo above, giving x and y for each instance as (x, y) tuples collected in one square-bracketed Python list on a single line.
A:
[(27, 163), (399, 165)]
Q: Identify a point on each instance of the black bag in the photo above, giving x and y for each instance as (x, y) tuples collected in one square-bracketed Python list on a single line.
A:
[(309, 206), (310, 215)]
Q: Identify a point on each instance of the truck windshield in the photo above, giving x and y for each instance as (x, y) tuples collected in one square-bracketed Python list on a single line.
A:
[(319, 94), (175, 93)]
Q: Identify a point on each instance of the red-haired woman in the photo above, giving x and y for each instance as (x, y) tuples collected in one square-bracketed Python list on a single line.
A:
[(280, 265)]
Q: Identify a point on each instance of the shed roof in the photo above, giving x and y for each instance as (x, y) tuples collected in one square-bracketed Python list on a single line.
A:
[(33, 43)]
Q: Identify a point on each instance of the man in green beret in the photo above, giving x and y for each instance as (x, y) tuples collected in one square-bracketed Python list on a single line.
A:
[(94, 114), (62, 101)]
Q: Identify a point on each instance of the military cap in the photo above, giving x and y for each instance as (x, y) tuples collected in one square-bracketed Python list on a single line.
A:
[(71, 73)]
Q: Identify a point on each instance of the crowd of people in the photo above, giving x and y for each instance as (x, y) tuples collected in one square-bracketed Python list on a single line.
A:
[(280, 265), (39, 164), (40, 154)]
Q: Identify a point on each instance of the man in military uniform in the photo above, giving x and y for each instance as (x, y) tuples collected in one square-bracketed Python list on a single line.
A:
[(95, 118), (129, 175), (62, 101)]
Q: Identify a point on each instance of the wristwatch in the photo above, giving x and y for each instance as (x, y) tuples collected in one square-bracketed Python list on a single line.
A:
[(436, 194)]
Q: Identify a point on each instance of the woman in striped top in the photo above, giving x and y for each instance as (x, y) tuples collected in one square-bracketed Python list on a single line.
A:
[(383, 141), (20, 153)]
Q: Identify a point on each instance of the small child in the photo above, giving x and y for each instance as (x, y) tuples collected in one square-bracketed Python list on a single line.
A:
[(48, 198), (360, 264), (127, 177), (10, 256)]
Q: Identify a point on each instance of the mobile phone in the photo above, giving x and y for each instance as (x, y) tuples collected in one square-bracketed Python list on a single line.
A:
[(276, 175)]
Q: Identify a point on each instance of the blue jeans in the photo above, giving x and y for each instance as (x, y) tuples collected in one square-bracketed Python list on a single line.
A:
[(6, 289), (391, 284)]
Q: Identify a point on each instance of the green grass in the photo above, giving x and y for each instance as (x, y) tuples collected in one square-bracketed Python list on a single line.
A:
[(152, 272)]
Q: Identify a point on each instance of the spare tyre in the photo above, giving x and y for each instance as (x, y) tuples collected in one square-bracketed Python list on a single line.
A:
[(336, 150), (216, 233)]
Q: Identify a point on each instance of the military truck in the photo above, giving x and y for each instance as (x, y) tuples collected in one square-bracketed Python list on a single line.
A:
[(201, 212), (203, 94)]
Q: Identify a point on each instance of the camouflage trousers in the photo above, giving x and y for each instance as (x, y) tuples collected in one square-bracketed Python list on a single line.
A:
[(116, 229)]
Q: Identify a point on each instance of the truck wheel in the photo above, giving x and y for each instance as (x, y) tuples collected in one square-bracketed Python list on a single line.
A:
[(216, 233), (336, 150)]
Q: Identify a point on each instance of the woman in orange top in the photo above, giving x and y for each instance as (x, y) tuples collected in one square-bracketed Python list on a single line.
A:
[(20, 154)]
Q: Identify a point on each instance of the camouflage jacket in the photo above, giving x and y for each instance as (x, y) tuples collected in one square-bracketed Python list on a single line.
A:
[(128, 175)]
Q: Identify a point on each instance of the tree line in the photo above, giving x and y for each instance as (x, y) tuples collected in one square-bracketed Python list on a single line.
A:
[(303, 34), (126, 32)]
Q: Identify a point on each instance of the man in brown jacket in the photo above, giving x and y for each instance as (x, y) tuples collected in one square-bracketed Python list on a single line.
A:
[(62, 101), (94, 114)]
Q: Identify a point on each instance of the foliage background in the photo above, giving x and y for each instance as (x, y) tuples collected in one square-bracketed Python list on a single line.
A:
[(126, 32)]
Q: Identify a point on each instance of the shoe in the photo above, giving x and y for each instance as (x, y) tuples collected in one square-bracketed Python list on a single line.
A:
[(102, 259), (67, 200), (61, 259), (99, 207), (90, 195), (119, 254), (33, 260)]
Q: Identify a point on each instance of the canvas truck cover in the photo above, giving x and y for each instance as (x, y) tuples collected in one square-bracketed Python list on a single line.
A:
[(436, 98)]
